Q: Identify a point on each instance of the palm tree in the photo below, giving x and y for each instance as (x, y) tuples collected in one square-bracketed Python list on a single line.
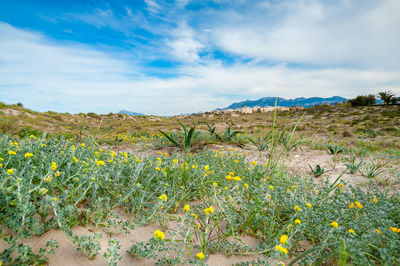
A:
[(386, 96)]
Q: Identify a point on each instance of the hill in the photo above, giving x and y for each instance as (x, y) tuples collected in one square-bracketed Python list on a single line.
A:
[(270, 101), (129, 113)]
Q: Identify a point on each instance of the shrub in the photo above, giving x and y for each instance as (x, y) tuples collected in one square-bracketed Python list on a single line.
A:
[(363, 100)]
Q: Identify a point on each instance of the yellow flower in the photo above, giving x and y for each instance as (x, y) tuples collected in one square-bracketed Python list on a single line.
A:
[(28, 154), (297, 208), (281, 249), (231, 173), (228, 177), (43, 145), (375, 200), (340, 185), (334, 224), (379, 231), (351, 205), (158, 169), (75, 159), (57, 174), (159, 235), (247, 186), (215, 184), (297, 221), (283, 239), (83, 145), (308, 205), (359, 205), (206, 167), (43, 191), (163, 197), (200, 255), (54, 199), (194, 215), (236, 161), (186, 208), (93, 179), (10, 171), (237, 178), (351, 231), (1, 165), (271, 187), (253, 163), (11, 152), (208, 210), (54, 166), (100, 163), (394, 229)]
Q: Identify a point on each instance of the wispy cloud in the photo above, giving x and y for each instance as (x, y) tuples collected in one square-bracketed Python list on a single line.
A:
[(284, 48)]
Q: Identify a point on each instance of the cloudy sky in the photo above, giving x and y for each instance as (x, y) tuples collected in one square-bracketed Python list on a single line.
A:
[(180, 56)]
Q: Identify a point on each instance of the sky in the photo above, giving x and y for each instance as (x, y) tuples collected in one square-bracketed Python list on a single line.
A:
[(184, 56)]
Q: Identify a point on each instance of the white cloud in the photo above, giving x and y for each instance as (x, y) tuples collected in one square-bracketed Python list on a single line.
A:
[(185, 47), (69, 77), (363, 34)]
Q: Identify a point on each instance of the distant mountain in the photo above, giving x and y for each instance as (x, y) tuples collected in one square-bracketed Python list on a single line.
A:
[(270, 101), (128, 112)]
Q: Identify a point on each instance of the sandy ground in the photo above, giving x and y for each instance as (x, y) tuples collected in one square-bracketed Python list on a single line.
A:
[(297, 162)]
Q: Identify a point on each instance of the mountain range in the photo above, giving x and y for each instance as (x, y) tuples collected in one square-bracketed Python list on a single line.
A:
[(129, 113), (270, 101)]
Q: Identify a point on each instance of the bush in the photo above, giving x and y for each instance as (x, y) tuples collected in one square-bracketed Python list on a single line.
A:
[(363, 100)]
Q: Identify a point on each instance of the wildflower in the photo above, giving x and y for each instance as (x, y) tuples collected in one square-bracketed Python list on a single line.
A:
[(28, 154), (351, 205), (19, 180), (43, 145), (1, 165), (100, 163), (297, 208), (231, 173), (271, 187), (206, 167), (200, 255), (226, 188), (75, 159), (236, 161), (375, 200), (54, 166), (158, 169), (43, 191), (57, 174), (48, 179), (93, 179), (237, 178), (379, 231), (194, 215), (297, 221), (186, 208), (283, 239), (11, 152), (340, 185), (394, 229), (208, 210), (228, 177), (359, 205), (308, 205), (247, 186), (334, 224), (54, 199), (83, 145), (159, 235), (253, 163), (268, 178), (351, 231), (281, 249), (10, 171), (215, 184), (163, 197)]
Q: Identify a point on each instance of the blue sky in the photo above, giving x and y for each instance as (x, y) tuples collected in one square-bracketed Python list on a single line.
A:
[(182, 56)]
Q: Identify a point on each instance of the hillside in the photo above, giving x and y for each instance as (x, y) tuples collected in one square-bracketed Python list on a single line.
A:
[(303, 102)]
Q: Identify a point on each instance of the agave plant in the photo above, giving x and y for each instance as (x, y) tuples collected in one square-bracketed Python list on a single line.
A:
[(188, 137)]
